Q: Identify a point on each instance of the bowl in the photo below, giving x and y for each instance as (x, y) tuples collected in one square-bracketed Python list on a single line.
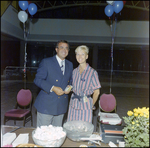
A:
[(78, 129), (48, 143)]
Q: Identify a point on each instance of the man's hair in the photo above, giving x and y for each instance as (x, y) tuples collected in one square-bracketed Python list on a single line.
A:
[(62, 41)]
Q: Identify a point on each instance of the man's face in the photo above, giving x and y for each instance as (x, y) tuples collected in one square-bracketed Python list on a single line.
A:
[(62, 50)]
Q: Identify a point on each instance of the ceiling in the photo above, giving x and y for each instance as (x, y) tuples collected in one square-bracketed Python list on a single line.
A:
[(92, 10), (132, 10)]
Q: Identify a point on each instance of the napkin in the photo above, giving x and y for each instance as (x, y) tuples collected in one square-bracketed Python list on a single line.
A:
[(22, 138), (8, 138), (111, 144), (112, 118)]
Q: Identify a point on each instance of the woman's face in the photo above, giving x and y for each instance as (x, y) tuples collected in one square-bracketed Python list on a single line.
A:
[(81, 56)]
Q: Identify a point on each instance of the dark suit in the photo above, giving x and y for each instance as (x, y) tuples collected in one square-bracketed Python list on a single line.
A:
[(48, 74)]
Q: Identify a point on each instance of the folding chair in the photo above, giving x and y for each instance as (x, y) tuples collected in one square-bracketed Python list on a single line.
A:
[(23, 108)]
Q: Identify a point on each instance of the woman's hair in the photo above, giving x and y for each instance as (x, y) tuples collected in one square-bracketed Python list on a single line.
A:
[(83, 48)]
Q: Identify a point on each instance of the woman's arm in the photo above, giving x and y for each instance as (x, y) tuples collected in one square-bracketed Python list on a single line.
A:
[(95, 95)]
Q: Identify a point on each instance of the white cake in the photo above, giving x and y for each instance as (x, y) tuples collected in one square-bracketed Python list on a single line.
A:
[(49, 133)]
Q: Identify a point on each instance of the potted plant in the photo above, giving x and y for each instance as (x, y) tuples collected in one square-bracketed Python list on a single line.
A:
[(136, 130)]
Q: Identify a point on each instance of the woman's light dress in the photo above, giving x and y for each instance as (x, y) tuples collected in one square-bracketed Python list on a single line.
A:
[(83, 85)]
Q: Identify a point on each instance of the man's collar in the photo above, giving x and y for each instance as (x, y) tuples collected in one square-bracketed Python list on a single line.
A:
[(58, 59)]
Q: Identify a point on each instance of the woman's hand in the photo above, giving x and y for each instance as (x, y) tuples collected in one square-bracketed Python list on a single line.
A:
[(93, 108), (68, 89)]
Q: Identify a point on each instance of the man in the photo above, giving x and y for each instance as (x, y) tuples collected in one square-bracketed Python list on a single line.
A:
[(52, 101)]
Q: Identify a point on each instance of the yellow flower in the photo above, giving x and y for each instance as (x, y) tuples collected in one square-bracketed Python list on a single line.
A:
[(136, 121), (133, 122), (137, 124), (144, 110), (133, 127), (143, 107), (139, 110), (141, 114), (135, 114), (135, 110), (130, 113)]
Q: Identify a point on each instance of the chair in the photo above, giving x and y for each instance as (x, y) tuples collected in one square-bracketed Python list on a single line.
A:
[(22, 109), (107, 110)]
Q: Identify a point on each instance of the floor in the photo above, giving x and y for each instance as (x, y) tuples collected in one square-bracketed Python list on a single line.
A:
[(128, 97)]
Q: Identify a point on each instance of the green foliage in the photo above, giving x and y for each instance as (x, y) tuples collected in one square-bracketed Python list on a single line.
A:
[(136, 131)]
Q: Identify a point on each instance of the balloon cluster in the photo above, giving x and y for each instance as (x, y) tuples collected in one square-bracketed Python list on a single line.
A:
[(113, 6), (25, 5)]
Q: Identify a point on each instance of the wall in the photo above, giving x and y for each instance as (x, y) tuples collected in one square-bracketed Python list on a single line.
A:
[(88, 31), (10, 23)]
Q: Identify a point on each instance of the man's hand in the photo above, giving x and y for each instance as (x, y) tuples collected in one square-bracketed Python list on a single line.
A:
[(58, 90)]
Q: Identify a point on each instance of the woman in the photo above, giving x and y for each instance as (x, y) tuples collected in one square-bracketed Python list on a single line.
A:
[(85, 83)]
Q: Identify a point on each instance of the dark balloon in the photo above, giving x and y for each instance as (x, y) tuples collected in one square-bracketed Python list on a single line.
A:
[(118, 5), (109, 10), (23, 5), (32, 8)]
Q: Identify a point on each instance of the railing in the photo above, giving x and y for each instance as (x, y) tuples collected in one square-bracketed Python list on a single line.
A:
[(14, 72), (123, 76), (118, 76)]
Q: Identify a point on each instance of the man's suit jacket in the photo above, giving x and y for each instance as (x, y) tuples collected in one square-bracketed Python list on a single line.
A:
[(48, 74)]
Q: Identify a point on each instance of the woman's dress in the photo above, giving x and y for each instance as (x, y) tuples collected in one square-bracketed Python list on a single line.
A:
[(81, 103)]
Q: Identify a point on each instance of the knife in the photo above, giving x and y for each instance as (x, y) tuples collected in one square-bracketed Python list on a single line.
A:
[(14, 130)]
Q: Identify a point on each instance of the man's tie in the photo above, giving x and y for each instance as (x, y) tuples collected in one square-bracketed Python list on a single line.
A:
[(62, 67)]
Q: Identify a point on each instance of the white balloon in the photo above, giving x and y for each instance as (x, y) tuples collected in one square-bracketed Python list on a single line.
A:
[(23, 16), (110, 2)]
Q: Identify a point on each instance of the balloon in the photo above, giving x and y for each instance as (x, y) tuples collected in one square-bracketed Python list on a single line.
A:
[(110, 2), (23, 16), (32, 8), (109, 10), (23, 5), (118, 5)]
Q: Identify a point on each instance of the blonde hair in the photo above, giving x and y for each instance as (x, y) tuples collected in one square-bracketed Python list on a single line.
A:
[(83, 48)]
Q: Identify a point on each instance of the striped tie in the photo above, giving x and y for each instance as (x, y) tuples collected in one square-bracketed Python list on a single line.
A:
[(62, 66)]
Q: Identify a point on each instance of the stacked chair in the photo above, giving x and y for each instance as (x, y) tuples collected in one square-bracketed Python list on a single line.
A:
[(109, 122), (107, 110)]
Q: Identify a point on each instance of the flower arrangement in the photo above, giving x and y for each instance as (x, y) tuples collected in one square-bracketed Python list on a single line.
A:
[(136, 131)]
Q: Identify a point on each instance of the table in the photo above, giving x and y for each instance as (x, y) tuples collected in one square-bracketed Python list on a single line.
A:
[(67, 142)]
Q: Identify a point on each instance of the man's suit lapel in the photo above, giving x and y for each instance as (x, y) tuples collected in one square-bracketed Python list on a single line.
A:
[(56, 66), (58, 70)]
